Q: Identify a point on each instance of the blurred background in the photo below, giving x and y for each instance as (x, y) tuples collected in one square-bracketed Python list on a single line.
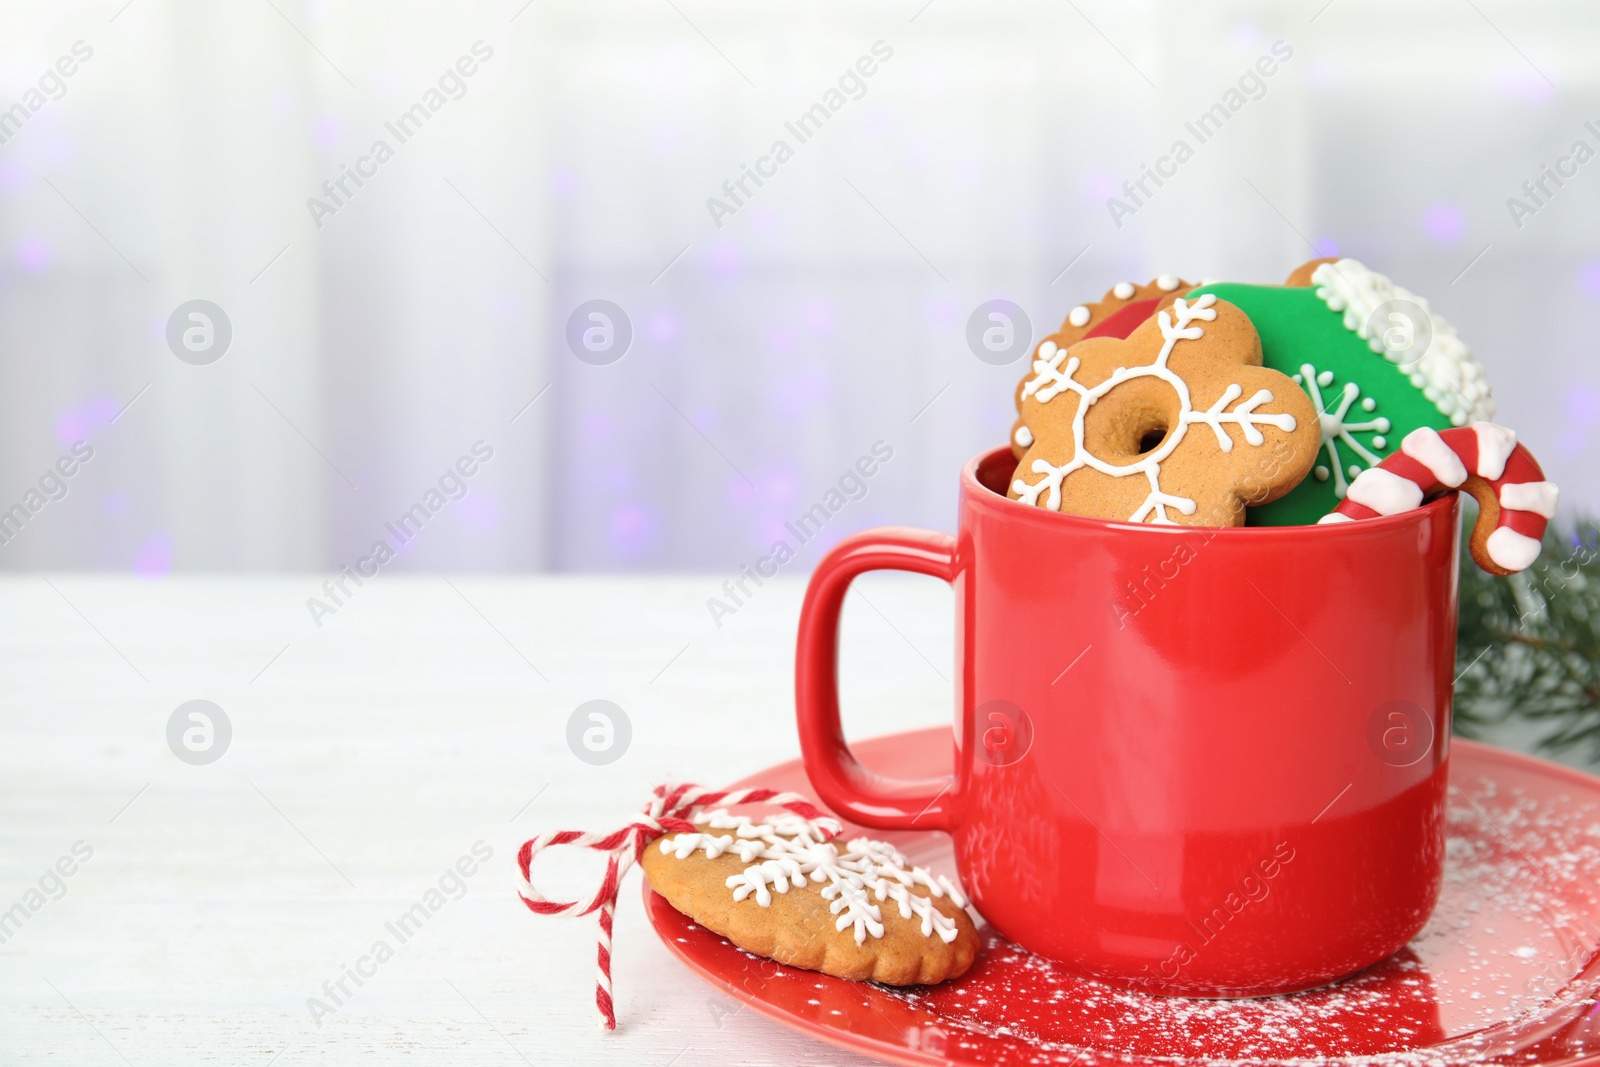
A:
[(539, 156)]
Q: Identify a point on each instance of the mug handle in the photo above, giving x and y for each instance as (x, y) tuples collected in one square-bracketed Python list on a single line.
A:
[(841, 781)]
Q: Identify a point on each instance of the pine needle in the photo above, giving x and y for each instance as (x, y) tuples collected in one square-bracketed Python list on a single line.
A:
[(1528, 646)]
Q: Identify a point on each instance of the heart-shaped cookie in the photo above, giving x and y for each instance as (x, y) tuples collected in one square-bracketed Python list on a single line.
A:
[(779, 889)]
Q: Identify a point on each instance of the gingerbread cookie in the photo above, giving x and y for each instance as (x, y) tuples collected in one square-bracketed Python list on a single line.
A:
[(1301, 275), (1120, 426), (1372, 373), (779, 889), (1124, 307), (1515, 503)]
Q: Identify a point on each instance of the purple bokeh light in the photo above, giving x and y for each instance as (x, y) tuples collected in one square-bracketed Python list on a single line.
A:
[(634, 530), (941, 312), (1582, 406), (155, 558), (326, 132), (781, 485), (33, 254), (773, 530), (1583, 403), (818, 316), (1589, 278), (724, 258), (13, 176), (798, 394), (481, 509), (596, 426), (77, 423), (1100, 185), (1519, 79), (507, 306), (1444, 223), (663, 327), (741, 494)]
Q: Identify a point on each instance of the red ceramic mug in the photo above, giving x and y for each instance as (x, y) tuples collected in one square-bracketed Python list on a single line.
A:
[(1199, 762)]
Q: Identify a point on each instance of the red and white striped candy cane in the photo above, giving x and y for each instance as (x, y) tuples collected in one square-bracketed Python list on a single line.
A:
[(671, 809), (1515, 503)]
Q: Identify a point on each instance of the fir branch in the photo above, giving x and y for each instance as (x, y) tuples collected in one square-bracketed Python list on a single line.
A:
[(1528, 647)]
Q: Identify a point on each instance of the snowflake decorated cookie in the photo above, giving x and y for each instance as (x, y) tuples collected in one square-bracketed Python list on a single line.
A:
[(1374, 360), (1124, 306), (779, 888), (1179, 423)]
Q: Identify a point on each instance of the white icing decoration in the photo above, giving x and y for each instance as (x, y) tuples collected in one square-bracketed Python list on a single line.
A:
[(713, 845), (1378, 440), (1332, 517), (1512, 550), (1079, 316), (1122, 290), (1051, 378), (1426, 447), (1537, 497), (780, 874), (1369, 404), (1495, 445), (1336, 431), (858, 910), (1024, 437), (1446, 372), (1385, 492), (786, 852), (1167, 282)]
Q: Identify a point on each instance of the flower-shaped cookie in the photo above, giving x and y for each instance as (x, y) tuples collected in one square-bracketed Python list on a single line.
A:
[(1123, 307), (1178, 424), (780, 889)]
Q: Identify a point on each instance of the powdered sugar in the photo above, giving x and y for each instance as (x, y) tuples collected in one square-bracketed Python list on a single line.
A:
[(1498, 969)]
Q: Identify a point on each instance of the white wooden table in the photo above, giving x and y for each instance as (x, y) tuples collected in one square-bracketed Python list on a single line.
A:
[(367, 758)]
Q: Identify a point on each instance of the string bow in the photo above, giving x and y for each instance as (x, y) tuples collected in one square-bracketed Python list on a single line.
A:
[(671, 810)]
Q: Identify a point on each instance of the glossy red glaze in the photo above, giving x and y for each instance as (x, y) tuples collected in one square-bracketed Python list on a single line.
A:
[(1204, 762), (1504, 974), (1125, 320)]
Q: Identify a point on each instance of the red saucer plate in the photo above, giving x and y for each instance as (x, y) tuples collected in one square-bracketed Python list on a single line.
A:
[(1506, 971)]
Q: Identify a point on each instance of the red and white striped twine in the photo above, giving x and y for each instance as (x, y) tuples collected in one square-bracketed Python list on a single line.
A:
[(671, 810)]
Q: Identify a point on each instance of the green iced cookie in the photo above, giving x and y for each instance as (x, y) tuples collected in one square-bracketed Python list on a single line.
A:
[(1368, 403)]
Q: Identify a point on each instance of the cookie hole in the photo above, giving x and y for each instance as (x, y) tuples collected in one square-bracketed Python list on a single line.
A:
[(1133, 421)]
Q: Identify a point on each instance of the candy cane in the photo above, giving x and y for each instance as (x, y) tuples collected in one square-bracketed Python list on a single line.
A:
[(671, 810), (1515, 503)]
